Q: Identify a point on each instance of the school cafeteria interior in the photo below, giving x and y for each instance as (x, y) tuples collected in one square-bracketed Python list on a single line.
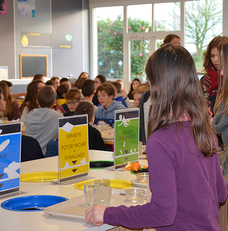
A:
[(64, 34)]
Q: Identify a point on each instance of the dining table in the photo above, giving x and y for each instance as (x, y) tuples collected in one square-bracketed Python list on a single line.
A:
[(39, 220)]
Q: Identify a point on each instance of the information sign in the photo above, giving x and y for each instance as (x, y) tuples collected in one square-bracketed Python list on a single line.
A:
[(10, 158), (73, 147), (126, 146)]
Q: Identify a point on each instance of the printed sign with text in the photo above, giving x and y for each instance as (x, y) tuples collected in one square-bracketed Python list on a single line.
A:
[(126, 147), (73, 147), (10, 155)]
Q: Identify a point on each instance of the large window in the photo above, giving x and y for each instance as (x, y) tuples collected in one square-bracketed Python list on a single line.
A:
[(110, 41), (167, 16), (138, 21), (128, 34), (203, 21)]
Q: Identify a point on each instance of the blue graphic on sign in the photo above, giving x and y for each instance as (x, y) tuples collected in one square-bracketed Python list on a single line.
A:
[(10, 161)]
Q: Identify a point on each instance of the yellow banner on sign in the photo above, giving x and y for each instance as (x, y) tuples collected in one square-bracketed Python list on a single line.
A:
[(73, 151)]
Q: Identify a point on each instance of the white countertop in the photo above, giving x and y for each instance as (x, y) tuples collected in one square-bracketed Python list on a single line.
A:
[(39, 220)]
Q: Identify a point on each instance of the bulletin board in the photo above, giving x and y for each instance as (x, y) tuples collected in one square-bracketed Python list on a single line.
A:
[(31, 65)]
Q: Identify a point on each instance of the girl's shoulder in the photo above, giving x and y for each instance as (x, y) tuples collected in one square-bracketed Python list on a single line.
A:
[(172, 131)]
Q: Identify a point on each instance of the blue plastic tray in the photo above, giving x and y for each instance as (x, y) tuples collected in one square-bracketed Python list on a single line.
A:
[(31, 203)]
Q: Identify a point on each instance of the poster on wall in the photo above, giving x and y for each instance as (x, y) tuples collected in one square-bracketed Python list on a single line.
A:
[(26, 8), (3, 72), (2, 6)]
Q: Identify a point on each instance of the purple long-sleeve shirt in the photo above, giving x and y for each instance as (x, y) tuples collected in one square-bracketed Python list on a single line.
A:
[(186, 186)]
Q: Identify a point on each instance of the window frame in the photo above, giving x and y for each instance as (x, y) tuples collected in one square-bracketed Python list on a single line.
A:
[(127, 37)]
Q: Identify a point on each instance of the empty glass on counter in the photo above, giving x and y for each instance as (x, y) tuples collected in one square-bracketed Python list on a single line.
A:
[(135, 195), (89, 192), (102, 192)]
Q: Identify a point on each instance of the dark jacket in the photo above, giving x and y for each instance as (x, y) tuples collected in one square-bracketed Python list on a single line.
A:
[(142, 133)]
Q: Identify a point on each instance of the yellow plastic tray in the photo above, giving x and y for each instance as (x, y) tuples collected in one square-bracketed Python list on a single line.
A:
[(39, 176), (118, 184)]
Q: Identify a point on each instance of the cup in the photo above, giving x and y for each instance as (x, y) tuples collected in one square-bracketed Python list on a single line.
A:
[(102, 192), (89, 192), (135, 195)]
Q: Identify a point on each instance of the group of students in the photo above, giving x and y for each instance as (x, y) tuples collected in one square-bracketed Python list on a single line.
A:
[(185, 176), (45, 102)]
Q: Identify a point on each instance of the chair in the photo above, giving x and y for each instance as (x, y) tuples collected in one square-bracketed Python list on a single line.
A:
[(30, 149), (52, 148)]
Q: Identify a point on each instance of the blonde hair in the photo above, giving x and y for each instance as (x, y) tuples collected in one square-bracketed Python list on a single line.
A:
[(141, 88), (73, 94)]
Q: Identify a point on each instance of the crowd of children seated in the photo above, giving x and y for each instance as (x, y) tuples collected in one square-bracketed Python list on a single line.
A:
[(45, 101), (181, 108)]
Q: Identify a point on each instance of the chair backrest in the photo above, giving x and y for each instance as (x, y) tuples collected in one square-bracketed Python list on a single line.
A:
[(30, 149), (52, 148)]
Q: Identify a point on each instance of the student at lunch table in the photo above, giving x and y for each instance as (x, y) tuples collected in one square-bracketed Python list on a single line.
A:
[(12, 111), (88, 91), (30, 101), (182, 151), (137, 93), (61, 92), (2, 101), (65, 81), (95, 140), (118, 96), (73, 97), (105, 113), (99, 79), (56, 106), (42, 123)]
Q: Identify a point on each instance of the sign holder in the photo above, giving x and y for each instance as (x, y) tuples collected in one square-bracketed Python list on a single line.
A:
[(126, 142), (73, 150), (10, 158)]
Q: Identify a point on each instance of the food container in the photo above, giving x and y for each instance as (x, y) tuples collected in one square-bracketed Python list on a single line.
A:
[(142, 177), (135, 195)]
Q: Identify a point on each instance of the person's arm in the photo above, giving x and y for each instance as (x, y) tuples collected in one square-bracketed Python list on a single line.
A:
[(129, 104), (17, 95), (161, 211)]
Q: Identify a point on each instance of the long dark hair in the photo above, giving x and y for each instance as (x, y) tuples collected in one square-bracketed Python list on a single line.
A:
[(214, 43), (31, 96), (130, 95), (175, 91), (8, 98), (223, 88)]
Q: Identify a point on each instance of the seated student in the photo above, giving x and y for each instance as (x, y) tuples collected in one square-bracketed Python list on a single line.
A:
[(118, 96), (14, 95), (134, 84), (66, 81), (95, 140), (88, 91), (61, 91), (39, 77), (99, 79), (137, 93), (105, 113), (73, 97), (80, 82), (42, 123), (56, 106), (57, 82), (12, 111), (30, 101), (2, 101), (82, 75)]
